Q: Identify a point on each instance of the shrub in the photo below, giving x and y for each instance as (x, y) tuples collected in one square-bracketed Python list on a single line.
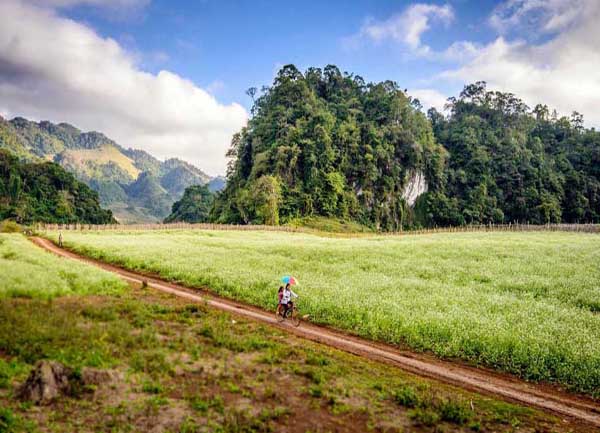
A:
[(454, 412), (406, 397), (424, 416), (9, 226)]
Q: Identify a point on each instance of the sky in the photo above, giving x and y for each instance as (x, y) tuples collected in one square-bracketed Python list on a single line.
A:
[(169, 76)]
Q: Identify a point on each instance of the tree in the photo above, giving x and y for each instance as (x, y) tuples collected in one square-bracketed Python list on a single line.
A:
[(45, 192), (193, 207)]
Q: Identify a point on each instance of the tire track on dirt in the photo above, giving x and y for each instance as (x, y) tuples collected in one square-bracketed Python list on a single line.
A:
[(543, 397)]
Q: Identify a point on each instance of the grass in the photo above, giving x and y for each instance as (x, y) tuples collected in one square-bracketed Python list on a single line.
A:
[(179, 367), (29, 272), (214, 384), (329, 225), (525, 303)]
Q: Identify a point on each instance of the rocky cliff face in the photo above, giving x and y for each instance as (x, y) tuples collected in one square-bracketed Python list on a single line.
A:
[(415, 186)]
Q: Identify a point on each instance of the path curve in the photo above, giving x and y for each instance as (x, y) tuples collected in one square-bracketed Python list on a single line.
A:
[(483, 381)]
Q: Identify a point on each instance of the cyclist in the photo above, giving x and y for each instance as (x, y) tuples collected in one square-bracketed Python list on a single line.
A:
[(286, 299)]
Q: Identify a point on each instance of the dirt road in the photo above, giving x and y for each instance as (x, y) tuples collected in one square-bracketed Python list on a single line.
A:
[(475, 379)]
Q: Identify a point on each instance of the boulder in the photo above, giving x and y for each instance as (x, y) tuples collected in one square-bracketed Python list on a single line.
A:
[(50, 379), (46, 381)]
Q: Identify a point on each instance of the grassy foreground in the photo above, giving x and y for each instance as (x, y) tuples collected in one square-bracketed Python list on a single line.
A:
[(182, 368), (526, 303)]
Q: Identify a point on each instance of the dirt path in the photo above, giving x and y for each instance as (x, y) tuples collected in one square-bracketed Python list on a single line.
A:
[(475, 379)]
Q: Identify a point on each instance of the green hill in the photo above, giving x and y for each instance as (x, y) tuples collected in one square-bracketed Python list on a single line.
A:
[(131, 182), (45, 192), (327, 144), (510, 163)]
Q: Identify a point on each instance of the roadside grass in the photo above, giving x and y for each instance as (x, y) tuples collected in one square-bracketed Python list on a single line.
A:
[(187, 368), (28, 272), (524, 303)]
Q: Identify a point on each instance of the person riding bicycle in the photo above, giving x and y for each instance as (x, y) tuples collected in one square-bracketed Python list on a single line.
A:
[(286, 298)]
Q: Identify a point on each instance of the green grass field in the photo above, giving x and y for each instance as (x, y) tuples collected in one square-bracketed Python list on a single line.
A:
[(526, 303), (29, 272), (177, 367)]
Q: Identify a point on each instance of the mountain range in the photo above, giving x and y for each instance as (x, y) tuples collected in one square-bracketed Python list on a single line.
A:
[(135, 185)]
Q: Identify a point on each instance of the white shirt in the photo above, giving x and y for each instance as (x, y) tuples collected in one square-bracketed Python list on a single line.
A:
[(287, 296)]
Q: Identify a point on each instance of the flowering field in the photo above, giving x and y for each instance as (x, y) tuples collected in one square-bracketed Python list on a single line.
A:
[(28, 272), (526, 303)]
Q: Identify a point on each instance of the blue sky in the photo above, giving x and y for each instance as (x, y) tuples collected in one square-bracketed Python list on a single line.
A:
[(170, 77), (228, 46)]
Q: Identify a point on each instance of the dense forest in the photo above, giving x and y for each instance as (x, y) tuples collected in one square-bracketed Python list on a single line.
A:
[(328, 144), (45, 192), (510, 163)]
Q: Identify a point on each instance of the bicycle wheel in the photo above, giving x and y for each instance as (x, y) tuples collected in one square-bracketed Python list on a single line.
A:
[(295, 316)]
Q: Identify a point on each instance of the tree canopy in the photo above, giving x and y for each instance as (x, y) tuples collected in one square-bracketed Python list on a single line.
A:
[(193, 207), (323, 143), (328, 144), (45, 192), (508, 163)]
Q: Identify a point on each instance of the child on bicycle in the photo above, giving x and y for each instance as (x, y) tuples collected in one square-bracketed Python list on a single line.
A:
[(286, 298)]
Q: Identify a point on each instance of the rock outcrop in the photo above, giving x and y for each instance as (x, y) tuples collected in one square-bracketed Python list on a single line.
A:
[(47, 381), (415, 186), (50, 379)]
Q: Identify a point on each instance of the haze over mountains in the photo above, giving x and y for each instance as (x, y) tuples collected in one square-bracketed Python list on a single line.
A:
[(136, 186)]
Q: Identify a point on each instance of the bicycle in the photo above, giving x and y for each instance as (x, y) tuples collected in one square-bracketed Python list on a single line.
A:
[(290, 313)]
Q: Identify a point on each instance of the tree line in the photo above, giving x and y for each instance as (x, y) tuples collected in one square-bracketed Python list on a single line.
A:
[(45, 192), (325, 143), (509, 163)]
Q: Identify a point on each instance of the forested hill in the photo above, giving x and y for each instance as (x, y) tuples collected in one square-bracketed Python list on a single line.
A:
[(328, 144), (45, 192), (134, 184), (508, 162)]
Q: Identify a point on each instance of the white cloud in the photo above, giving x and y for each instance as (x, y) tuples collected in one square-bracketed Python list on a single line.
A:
[(561, 72), (429, 98), (215, 87), (459, 51), (57, 69), (406, 27), (538, 15)]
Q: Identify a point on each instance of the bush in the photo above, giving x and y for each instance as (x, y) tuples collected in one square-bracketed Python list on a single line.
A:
[(406, 397), (455, 412), (9, 226), (424, 417)]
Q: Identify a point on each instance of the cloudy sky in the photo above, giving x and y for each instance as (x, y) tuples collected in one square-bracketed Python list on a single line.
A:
[(169, 76)]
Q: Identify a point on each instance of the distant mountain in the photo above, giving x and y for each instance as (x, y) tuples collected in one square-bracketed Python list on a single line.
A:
[(136, 186), (216, 184), (45, 192)]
